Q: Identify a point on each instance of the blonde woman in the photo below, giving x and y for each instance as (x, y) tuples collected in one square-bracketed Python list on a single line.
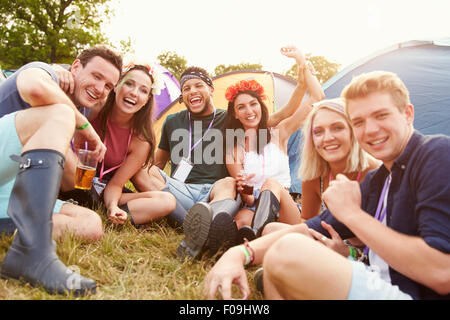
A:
[(329, 148)]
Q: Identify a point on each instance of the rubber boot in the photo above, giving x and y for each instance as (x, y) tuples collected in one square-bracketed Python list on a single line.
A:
[(7, 227), (196, 227), (223, 229), (32, 255), (267, 208)]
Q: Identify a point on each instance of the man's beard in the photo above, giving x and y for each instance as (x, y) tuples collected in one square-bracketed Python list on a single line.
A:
[(207, 105)]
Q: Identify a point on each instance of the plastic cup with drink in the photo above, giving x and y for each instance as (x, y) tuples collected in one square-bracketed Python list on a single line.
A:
[(247, 185), (86, 167)]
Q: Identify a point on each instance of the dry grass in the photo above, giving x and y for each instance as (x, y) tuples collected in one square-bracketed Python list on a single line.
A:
[(127, 263)]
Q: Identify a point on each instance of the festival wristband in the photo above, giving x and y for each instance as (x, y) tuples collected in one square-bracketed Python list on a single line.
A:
[(84, 126), (248, 257)]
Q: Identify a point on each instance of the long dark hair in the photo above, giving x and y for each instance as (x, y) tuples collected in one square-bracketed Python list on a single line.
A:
[(232, 123), (142, 124)]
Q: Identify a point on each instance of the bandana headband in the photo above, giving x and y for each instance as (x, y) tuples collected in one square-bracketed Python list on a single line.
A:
[(196, 75)]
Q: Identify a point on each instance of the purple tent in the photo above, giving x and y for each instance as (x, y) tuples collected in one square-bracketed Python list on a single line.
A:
[(170, 92)]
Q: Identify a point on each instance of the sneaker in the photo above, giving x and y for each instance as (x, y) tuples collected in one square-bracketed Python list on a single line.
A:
[(196, 226), (222, 234)]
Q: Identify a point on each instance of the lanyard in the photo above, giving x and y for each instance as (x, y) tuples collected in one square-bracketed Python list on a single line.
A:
[(126, 153), (190, 133), (380, 214)]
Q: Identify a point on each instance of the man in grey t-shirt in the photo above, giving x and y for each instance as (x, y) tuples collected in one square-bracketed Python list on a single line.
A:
[(37, 122)]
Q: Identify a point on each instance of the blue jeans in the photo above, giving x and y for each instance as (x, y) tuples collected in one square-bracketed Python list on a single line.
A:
[(187, 194)]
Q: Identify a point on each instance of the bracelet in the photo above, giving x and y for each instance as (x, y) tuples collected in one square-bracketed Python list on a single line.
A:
[(252, 252), (248, 257), (352, 253), (84, 126), (248, 252)]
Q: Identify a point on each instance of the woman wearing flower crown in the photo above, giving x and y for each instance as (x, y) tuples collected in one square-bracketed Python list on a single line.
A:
[(258, 156), (126, 126)]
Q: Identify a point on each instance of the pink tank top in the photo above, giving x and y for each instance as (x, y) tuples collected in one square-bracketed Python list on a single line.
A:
[(116, 141)]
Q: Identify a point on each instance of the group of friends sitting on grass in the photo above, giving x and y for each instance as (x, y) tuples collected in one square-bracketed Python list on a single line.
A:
[(374, 219)]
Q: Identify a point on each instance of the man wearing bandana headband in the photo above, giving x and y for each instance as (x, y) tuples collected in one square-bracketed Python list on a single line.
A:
[(207, 185)]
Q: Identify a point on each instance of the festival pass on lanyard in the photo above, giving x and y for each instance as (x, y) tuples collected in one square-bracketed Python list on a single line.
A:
[(185, 165)]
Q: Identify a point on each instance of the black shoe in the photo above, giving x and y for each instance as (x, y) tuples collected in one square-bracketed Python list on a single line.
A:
[(258, 280), (223, 231), (245, 232), (267, 210), (196, 226)]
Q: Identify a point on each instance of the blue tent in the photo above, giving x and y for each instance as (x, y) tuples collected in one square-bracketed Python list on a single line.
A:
[(424, 67)]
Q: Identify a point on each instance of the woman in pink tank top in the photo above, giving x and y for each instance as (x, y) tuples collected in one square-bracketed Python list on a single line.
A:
[(125, 125)]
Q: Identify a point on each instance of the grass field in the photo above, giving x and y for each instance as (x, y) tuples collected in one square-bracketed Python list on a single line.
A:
[(127, 264)]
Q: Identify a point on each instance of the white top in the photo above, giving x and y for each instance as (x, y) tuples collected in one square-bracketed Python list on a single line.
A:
[(272, 163)]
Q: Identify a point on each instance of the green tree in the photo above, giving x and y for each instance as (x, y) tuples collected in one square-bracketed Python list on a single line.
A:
[(175, 63), (53, 31), (221, 68), (325, 69)]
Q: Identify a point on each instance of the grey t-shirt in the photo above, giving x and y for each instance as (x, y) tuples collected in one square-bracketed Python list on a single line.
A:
[(10, 100)]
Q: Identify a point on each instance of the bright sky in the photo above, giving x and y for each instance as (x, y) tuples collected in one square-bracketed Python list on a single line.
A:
[(212, 32)]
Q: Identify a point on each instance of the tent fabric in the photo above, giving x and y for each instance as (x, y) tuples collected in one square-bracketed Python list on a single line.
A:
[(278, 89), (424, 67), (170, 92)]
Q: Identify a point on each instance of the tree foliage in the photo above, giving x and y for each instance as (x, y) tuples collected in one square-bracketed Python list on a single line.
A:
[(173, 62), (52, 31), (221, 68), (325, 69)]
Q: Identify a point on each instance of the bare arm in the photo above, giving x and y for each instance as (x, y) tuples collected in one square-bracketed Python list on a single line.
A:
[(291, 124), (161, 158), (310, 200), (37, 88), (299, 91), (230, 267), (133, 162)]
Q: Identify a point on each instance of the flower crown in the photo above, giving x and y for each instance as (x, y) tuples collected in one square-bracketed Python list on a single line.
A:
[(158, 83), (244, 85)]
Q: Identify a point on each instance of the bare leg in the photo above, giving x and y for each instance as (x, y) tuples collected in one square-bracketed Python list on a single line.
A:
[(36, 128), (274, 226), (289, 212), (149, 180), (297, 267), (148, 206), (244, 217), (223, 189), (79, 221)]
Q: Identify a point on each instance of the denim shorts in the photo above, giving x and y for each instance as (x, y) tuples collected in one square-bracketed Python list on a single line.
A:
[(187, 194), (368, 285), (10, 144)]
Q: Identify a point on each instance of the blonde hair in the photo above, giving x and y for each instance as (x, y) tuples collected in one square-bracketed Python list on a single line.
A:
[(376, 81), (312, 164)]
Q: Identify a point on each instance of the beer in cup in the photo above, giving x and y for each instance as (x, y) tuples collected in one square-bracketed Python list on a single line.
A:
[(86, 168)]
